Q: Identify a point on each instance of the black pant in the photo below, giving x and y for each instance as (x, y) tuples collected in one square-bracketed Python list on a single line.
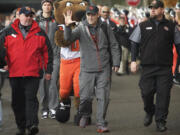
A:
[(157, 80), (3, 76), (177, 74), (25, 104)]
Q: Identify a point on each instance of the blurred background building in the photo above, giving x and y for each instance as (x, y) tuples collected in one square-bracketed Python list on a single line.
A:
[(7, 6)]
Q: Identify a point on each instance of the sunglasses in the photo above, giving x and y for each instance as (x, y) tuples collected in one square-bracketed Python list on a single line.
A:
[(29, 15), (106, 12), (155, 7)]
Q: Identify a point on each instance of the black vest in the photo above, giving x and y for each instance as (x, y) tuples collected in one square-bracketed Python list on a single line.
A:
[(157, 42)]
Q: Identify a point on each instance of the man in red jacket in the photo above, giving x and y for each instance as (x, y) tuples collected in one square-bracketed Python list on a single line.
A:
[(28, 50)]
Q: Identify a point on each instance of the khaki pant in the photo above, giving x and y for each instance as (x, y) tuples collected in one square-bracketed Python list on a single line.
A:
[(124, 59)]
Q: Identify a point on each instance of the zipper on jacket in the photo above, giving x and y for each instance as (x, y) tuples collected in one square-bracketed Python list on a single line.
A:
[(95, 42), (156, 45)]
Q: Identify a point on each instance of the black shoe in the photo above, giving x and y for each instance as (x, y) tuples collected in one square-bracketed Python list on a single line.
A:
[(161, 126), (20, 132), (148, 120), (120, 74), (77, 118), (33, 130), (88, 121)]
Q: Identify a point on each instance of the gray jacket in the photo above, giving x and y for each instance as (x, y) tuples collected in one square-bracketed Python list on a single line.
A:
[(49, 25), (94, 58)]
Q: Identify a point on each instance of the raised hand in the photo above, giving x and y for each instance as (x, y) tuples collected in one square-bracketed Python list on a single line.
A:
[(68, 18)]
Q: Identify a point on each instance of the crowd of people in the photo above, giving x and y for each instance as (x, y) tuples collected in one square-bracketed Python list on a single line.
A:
[(108, 39)]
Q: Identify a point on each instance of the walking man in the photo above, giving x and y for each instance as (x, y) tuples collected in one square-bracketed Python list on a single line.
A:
[(49, 96), (28, 49), (95, 64), (155, 38)]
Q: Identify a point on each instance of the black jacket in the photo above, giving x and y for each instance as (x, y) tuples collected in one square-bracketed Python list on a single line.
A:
[(2, 51), (123, 33), (115, 31), (157, 42)]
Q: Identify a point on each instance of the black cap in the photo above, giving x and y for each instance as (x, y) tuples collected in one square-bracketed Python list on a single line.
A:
[(156, 4), (26, 10), (172, 13), (117, 13), (125, 11), (43, 1), (92, 9), (178, 5)]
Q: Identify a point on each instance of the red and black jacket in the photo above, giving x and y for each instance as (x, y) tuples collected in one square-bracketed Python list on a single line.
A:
[(27, 56)]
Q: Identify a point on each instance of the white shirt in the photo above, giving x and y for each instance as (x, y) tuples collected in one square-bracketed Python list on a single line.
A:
[(103, 20), (67, 54)]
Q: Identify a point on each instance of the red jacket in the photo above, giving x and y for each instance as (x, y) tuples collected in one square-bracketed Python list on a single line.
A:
[(25, 56)]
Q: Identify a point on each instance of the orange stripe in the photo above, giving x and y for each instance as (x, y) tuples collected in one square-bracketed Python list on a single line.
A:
[(70, 61)]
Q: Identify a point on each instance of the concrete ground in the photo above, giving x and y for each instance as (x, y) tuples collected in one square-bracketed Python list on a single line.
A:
[(125, 113)]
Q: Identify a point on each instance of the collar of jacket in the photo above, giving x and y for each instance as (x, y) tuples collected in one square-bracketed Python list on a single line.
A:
[(26, 28), (34, 29), (46, 19), (99, 22), (163, 20)]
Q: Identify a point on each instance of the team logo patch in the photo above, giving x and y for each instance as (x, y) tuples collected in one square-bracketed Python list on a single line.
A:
[(61, 27), (166, 28), (13, 35)]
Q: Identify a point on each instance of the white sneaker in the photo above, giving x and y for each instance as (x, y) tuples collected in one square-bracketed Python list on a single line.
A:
[(44, 115), (2, 70), (52, 113)]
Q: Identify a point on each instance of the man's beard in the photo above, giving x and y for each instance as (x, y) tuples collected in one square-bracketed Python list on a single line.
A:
[(153, 17), (156, 16)]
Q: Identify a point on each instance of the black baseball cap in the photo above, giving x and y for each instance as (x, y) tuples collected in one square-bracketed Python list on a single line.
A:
[(156, 4), (172, 13), (26, 10), (92, 9), (178, 5)]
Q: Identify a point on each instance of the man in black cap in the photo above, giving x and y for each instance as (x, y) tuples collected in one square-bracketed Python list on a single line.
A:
[(95, 64), (28, 50), (155, 38)]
